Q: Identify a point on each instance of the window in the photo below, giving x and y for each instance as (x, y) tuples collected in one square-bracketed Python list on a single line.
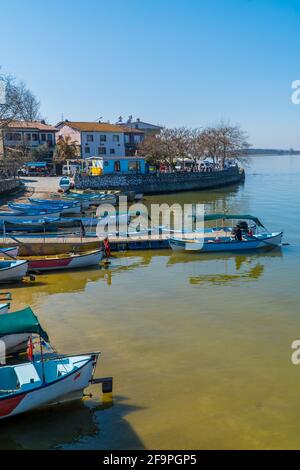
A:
[(13, 136), (27, 136), (101, 150), (43, 137), (102, 138), (34, 136), (49, 138), (112, 151), (137, 139), (106, 163), (117, 166), (87, 149), (116, 138), (90, 138), (134, 166)]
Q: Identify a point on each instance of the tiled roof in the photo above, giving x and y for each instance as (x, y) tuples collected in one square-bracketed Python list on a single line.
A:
[(31, 125), (92, 126)]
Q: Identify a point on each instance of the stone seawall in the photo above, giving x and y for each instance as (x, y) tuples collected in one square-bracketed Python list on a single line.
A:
[(162, 182), (9, 185)]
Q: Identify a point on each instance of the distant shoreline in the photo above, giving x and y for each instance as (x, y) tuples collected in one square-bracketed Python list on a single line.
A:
[(269, 152)]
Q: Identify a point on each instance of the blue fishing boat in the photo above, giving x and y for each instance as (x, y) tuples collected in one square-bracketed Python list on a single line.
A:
[(240, 237), (62, 208), (28, 214)]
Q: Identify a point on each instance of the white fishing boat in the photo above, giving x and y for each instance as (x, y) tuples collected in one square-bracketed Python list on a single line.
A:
[(64, 261), (241, 237), (45, 382), (12, 270)]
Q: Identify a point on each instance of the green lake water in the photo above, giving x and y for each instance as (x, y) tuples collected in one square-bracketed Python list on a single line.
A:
[(199, 345)]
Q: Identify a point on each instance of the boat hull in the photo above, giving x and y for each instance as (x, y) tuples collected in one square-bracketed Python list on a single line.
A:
[(41, 246), (217, 246), (15, 216), (65, 388), (15, 272), (77, 261)]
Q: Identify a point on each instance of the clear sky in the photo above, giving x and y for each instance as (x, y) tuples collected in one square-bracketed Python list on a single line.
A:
[(172, 62)]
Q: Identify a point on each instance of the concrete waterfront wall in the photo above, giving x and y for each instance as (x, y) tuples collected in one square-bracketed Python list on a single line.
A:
[(162, 182), (9, 185)]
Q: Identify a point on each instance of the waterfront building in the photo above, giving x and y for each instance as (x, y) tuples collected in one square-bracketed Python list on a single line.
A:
[(94, 139), (26, 136)]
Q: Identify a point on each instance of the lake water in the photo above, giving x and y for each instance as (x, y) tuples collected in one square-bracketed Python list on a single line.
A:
[(199, 345)]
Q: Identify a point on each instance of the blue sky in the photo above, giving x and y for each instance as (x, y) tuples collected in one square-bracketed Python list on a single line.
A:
[(171, 62)]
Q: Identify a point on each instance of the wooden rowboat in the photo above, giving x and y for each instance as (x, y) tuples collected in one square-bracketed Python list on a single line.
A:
[(64, 261)]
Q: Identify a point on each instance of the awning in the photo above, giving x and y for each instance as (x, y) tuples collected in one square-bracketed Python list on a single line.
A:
[(233, 216), (22, 321), (36, 164)]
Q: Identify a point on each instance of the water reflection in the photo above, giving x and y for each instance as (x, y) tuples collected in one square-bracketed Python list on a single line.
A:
[(85, 424), (225, 268)]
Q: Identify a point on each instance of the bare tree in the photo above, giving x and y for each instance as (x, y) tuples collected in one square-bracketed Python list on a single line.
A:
[(220, 142), (232, 142), (17, 102)]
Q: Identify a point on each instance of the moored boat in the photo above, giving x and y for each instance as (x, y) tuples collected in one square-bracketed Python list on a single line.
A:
[(241, 237), (28, 215), (64, 261), (24, 387), (12, 270), (46, 208), (65, 183)]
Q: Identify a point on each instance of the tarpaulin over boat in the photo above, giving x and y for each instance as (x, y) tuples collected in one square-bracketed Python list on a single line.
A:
[(43, 225), (233, 216), (22, 321)]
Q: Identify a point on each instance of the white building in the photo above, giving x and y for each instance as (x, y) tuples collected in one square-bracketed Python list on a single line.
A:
[(95, 139)]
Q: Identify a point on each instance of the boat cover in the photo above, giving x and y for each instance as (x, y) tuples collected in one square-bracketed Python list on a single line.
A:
[(22, 321), (233, 216)]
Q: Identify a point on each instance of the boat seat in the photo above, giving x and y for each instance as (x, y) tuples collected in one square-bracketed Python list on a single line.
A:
[(27, 376), (63, 369)]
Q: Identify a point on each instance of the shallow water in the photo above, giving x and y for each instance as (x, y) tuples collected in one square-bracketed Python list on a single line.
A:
[(199, 345)]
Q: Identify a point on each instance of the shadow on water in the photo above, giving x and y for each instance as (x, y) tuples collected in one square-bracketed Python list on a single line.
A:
[(80, 424)]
